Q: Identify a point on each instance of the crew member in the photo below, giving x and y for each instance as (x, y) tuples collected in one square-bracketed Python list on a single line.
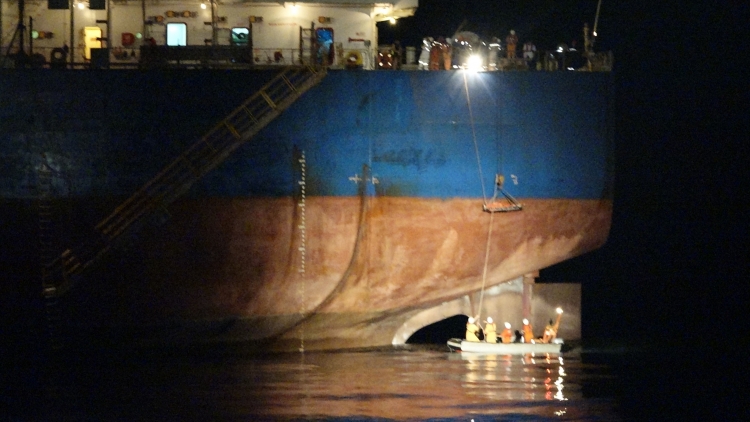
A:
[(490, 331), (550, 331), (511, 40), (436, 55), (507, 334), (445, 48), (528, 332), (529, 52), (472, 331), (424, 56)]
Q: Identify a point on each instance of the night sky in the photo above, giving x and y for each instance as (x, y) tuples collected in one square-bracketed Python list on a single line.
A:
[(672, 265)]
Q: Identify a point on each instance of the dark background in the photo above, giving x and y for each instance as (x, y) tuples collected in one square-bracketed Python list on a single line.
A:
[(670, 282), (677, 245)]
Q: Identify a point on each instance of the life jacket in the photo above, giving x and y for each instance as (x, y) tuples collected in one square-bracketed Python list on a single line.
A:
[(507, 335), (528, 333)]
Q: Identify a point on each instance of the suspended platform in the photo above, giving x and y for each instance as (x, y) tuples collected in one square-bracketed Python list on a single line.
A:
[(506, 203)]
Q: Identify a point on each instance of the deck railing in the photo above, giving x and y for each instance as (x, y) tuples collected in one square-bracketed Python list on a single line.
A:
[(192, 57)]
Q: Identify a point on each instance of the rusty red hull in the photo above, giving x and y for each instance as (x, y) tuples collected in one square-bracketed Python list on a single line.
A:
[(361, 267)]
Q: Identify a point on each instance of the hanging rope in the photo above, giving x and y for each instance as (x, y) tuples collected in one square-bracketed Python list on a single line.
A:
[(484, 198), (474, 138), (486, 261)]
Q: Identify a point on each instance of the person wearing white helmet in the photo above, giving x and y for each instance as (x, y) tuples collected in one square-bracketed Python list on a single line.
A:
[(528, 332), (490, 331), (511, 40), (507, 334), (472, 330)]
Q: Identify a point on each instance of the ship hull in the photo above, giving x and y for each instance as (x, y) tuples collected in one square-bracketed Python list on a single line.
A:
[(357, 209)]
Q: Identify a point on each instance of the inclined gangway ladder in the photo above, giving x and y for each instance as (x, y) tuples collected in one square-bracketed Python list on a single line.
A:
[(175, 179)]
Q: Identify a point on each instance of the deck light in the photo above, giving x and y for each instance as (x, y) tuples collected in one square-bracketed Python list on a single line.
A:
[(80, 5), (203, 6), (474, 63)]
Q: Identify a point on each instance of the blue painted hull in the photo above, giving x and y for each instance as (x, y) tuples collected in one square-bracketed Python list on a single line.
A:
[(417, 132)]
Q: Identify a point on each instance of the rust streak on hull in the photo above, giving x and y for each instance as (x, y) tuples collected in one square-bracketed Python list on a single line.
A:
[(238, 258)]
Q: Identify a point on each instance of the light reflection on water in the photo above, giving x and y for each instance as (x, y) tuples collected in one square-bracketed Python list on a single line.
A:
[(411, 383)]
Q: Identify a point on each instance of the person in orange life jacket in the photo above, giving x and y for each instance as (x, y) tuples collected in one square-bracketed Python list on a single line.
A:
[(507, 334), (490, 331), (528, 332), (472, 330), (510, 41)]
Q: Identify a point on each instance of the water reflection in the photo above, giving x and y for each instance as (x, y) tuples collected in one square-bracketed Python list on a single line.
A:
[(510, 377), (408, 383)]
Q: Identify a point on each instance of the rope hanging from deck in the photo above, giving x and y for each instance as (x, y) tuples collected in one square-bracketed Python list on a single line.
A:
[(474, 138), (484, 196)]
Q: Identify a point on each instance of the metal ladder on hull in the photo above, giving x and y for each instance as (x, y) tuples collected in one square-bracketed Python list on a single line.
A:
[(175, 179), (47, 251)]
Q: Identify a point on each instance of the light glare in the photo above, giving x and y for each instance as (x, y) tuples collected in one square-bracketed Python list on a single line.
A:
[(474, 63)]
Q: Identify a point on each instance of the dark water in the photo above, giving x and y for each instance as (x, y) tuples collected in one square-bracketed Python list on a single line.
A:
[(416, 382)]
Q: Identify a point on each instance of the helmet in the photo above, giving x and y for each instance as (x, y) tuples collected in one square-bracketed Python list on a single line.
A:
[(525, 321), (512, 32), (471, 320), (489, 319), (507, 325)]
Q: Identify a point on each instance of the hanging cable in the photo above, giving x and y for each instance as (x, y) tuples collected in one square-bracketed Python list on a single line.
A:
[(486, 261), (484, 197), (474, 138)]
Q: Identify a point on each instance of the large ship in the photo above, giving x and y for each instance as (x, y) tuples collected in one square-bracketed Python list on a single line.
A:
[(296, 206)]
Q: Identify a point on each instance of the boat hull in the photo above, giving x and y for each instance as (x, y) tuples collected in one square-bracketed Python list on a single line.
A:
[(480, 347)]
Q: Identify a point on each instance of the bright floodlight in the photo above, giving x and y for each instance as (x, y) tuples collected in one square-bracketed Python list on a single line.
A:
[(475, 63), (559, 310)]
